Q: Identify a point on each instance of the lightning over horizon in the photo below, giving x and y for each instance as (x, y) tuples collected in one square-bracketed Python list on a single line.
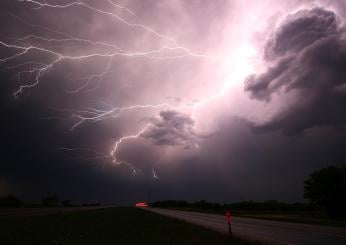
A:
[(26, 45), (224, 101), (122, 50), (37, 69)]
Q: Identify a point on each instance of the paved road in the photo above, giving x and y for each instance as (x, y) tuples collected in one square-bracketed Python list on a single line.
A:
[(26, 212), (266, 231)]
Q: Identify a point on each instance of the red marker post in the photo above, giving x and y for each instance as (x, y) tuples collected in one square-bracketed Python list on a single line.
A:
[(228, 217)]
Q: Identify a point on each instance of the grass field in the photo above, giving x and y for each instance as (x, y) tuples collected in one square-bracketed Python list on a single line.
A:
[(107, 226), (304, 218)]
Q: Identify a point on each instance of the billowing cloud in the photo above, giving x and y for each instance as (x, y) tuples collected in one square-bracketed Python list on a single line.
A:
[(171, 128), (300, 30), (305, 55)]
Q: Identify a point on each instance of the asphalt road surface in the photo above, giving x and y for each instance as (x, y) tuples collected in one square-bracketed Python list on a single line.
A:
[(266, 231)]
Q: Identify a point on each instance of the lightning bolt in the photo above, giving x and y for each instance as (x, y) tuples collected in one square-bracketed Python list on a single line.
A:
[(154, 174), (51, 46), (99, 11), (162, 53), (95, 115), (125, 138)]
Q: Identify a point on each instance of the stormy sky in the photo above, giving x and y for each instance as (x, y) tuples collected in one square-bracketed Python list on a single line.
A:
[(225, 100)]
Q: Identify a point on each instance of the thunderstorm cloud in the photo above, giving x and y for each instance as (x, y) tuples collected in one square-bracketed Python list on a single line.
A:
[(306, 55), (171, 128), (223, 100)]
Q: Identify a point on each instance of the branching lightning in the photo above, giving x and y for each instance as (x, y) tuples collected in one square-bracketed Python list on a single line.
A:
[(40, 70), (122, 139), (51, 46), (154, 174)]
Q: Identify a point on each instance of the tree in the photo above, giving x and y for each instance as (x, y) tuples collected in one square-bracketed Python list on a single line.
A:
[(66, 203), (327, 187), (10, 201), (50, 201)]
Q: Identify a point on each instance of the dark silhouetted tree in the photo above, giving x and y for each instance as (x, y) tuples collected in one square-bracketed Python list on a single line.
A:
[(66, 203), (10, 201), (50, 201), (327, 188)]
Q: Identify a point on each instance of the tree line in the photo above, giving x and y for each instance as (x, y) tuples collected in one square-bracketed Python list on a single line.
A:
[(323, 189), (49, 200)]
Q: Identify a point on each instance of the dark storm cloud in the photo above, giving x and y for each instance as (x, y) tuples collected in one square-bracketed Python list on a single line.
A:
[(301, 30), (245, 164), (305, 55), (33, 136), (232, 164), (171, 128)]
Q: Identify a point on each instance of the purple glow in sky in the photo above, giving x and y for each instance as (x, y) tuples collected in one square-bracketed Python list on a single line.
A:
[(169, 94)]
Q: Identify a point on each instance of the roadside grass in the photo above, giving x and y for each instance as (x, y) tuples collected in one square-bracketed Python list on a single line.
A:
[(313, 218), (120, 225), (296, 218)]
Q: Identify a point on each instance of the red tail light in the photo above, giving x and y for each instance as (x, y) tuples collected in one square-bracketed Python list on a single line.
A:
[(142, 204)]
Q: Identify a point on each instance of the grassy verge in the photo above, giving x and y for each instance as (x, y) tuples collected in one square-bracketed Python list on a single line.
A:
[(296, 218), (107, 226), (314, 218)]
